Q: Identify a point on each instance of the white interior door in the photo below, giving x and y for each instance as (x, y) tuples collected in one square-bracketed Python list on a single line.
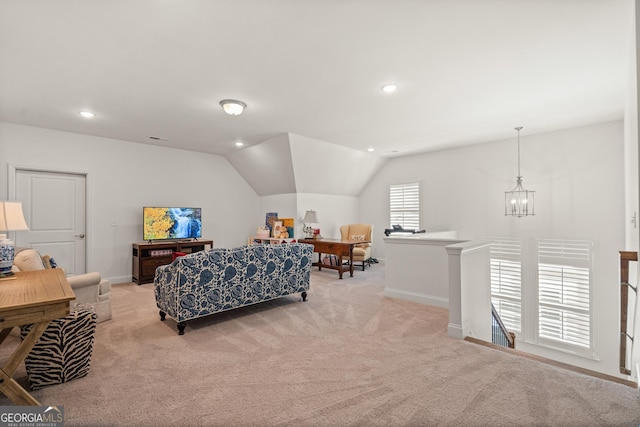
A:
[(54, 207)]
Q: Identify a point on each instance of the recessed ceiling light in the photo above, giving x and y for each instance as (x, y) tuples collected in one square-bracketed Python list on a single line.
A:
[(239, 143), (87, 114), (371, 149), (388, 88), (233, 107)]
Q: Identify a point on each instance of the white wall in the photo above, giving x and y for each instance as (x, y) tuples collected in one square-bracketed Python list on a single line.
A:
[(631, 153), (331, 211), (579, 182), (123, 177), (417, 269), (632, 161)]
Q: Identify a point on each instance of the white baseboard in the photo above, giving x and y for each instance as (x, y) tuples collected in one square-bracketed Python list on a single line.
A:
[(118, 279), (415, 297), (455, 331)]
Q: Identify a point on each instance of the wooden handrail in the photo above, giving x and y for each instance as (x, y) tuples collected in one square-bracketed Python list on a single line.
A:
[(625, 257), (510, 336)]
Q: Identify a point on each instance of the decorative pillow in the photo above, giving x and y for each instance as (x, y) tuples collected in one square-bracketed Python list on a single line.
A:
[(28, 260), (359, 237)]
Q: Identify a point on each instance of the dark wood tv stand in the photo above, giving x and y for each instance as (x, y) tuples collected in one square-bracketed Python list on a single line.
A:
[(148, 256)]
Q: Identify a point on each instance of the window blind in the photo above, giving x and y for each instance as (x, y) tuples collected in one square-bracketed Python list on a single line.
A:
[(506, 281), (564, 291), (404, 205)]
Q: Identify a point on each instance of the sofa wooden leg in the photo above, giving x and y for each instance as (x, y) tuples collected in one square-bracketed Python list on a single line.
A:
[(304, 296), (181, 326), (163, 315)]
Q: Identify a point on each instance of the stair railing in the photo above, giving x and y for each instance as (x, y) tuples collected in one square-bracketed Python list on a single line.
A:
[(625, 258), (499, 333)]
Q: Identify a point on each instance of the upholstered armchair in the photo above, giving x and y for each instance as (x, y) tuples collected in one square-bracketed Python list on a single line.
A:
[(362, 251), (89, 288)]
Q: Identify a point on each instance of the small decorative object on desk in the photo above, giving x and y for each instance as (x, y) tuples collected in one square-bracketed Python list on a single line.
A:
[(288, 224), (262, 231), (269, 218), (7, 252), (277, 229)]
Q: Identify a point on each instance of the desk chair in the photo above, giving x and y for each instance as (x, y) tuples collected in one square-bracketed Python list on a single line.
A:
[(361, 252)]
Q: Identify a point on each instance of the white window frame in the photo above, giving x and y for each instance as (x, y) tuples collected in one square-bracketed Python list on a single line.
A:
[(535, 254), (506, 281), (405, 205), (568, 257)]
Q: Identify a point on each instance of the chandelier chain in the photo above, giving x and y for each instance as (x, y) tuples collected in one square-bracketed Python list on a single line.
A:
[(519, 128)]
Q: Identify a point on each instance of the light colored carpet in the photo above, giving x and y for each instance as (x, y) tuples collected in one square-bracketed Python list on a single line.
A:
[(347, 357)]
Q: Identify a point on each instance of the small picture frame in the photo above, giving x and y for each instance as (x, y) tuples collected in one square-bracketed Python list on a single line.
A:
[(277, 228), (269, 218)]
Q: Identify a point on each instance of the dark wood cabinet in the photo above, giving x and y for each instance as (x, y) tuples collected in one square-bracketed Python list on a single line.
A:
[(148, 256)]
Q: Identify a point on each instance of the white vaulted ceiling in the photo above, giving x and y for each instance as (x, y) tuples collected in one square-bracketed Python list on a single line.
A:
[(296, 164), (467, 71)]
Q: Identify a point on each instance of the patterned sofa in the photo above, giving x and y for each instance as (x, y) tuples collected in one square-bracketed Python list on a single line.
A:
[(216, 280)]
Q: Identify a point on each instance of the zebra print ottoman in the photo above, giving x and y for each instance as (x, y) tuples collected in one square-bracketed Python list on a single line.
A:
[(63, 353)]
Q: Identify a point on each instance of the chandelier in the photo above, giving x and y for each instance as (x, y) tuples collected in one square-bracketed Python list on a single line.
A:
[(519, 202)]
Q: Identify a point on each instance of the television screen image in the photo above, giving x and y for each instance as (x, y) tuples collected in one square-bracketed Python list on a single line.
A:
[(171, 223)]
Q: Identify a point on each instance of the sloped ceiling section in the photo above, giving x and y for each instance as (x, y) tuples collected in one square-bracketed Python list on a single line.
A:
[(324, 168), (292, 163), (267, 167)]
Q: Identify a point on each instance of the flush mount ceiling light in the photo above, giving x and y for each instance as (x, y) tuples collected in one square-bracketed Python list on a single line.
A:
[(388, 88), (239, 143), (519, 202), (233, 107), (87, 114)]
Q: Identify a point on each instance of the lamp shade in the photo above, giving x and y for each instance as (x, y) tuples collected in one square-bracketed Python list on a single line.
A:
[(310, 217), (11, 217)]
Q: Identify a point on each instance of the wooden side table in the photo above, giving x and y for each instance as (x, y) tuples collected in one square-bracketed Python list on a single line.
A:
[(35, 297)]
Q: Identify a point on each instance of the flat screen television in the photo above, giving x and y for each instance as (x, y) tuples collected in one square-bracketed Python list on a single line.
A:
[(171, 223)]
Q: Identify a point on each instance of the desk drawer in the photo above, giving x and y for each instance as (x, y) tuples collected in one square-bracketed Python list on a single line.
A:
[(333, 248), (26, 315), (17, 319)]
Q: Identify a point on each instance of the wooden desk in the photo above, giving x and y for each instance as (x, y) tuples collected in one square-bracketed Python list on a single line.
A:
[(35, 297), (336, 247)]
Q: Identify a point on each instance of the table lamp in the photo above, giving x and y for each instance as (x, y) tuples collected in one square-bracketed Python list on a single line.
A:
[(11, 219), (309, 218)]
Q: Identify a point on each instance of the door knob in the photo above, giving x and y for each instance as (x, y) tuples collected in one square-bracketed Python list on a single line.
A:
[(79, 235)]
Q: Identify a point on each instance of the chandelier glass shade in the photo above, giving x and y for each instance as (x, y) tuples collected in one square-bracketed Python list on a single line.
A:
[(519, 202)]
